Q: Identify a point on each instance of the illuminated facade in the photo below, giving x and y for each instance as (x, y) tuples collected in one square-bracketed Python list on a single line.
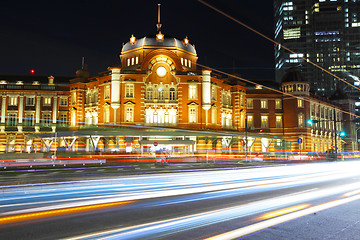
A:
[(31, 104)]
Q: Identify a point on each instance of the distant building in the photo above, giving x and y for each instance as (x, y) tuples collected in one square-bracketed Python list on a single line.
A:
[(324, 32), (31, 104)]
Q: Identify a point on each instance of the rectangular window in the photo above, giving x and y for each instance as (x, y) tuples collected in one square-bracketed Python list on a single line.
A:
[(129, 115), (46, 119), (106, 115), (278, 121), (192, 115), (13, 101), (250, 121), (192, 92), (278, 104), (63, 101), (129, 90), (73, 98), (249, 103), (63, 119), (30, 101), (213, 93), (301, 120), (12, 119), (263, 104), (107, 92), (213, 115), (242, 100), (264, 122), (300, 103), (47, 101), (29, 119)]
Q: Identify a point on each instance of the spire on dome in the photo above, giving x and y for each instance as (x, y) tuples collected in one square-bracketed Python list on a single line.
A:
[(158, 25)]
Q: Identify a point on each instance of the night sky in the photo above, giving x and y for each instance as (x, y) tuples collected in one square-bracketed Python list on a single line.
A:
[(52, 37)]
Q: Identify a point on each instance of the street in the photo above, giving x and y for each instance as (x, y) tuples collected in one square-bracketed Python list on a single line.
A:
[(300, 201)]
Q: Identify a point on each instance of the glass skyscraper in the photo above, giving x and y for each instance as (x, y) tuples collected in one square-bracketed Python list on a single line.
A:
[(326, 32)]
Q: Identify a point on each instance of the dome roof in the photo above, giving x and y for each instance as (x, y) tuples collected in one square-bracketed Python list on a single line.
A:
[(153, 42), (293, 75)]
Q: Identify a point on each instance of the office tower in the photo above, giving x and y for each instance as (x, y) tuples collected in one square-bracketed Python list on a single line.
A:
[(326, 32)]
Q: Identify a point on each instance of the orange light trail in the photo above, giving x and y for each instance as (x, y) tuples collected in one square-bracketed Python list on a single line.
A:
[(58, 212), (283, 211)]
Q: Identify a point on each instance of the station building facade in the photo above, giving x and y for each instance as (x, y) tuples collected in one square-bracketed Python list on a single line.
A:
[(157, 84)]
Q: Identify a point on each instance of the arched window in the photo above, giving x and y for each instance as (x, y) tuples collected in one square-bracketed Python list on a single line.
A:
[(149, 93), (160, 94), (172, 94)]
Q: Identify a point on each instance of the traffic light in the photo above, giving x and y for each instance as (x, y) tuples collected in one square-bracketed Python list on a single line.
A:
[(342, 134), (311, 122)]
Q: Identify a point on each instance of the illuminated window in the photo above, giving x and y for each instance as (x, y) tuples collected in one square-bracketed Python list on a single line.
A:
[(47, 101), (73, 97), (107, 92), (63, 119), (300, 103), (301, 120), (30, 101), (278, 104), (250, 121), (73, 117), (192, 92), (149, 93), (161, 94), (11, 120), (13, 101), (106, 114), (129, 114), (128, 62), (182, 61), (192, 114), (132, 61), (249, 103), (172, 94), (242, 100), (137, 60), (129, 90), (189, 63), (29, 119), (63, 101), (278, 121), (263, 104), (213, 92), (46, 119), (264, 122), (213, 115)]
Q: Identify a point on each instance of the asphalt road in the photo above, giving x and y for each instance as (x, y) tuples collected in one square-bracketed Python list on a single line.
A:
[(307, 201)]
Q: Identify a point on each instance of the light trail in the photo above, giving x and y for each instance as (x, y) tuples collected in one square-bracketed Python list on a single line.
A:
[(278, 220), (185, 223), (58, 212)]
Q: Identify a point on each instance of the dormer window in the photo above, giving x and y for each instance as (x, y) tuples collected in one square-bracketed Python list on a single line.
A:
[(36, 83), (19, 83), (3, 82)]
